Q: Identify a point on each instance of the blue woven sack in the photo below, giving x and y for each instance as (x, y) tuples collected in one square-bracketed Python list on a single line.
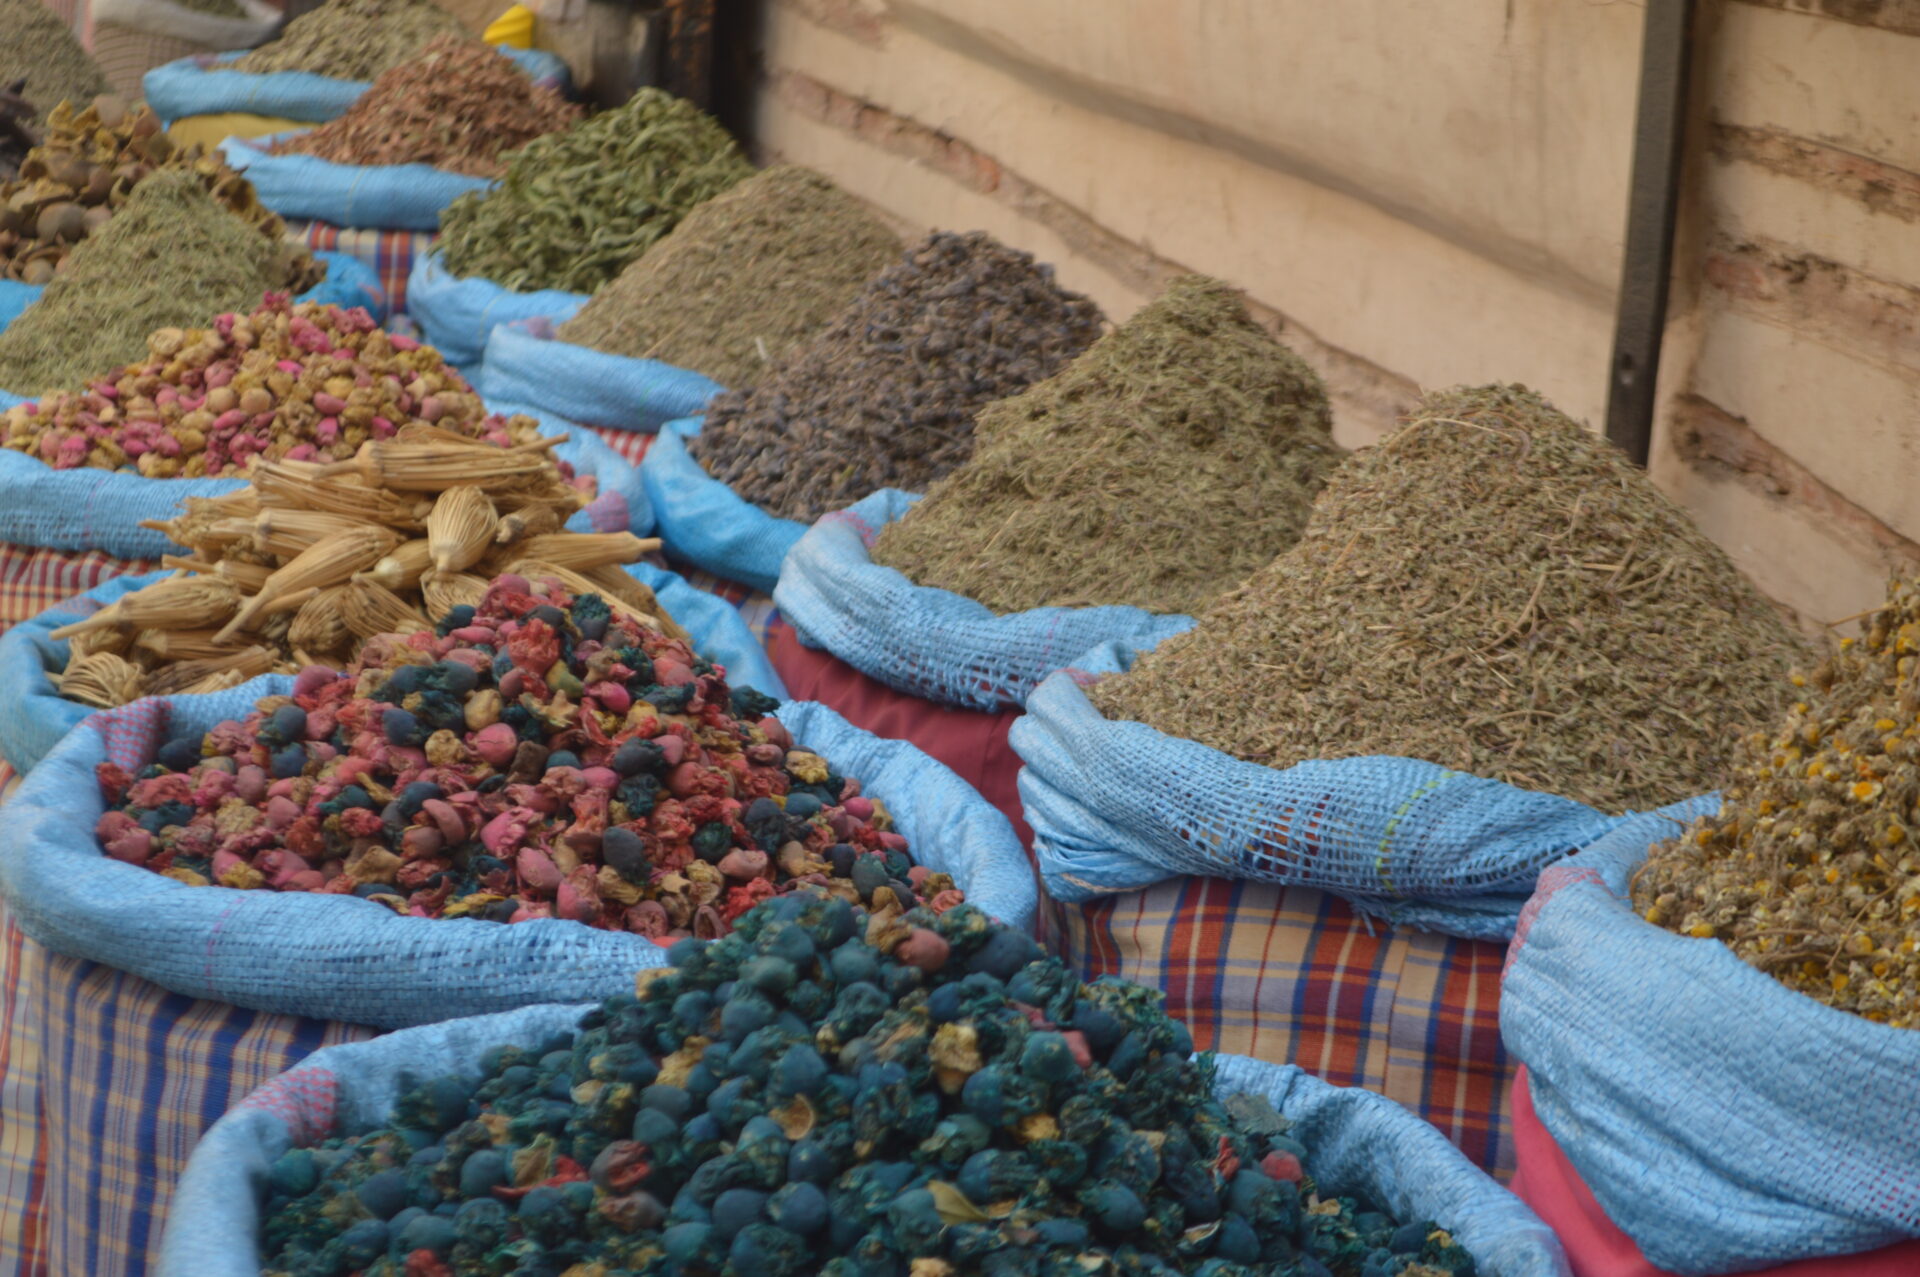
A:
[(930, 642), (526, 363), (14, 298), (1722, 1120), (197, 86), (1357, 1142), (405, 197), (705, 522), (34, 717), (1117, 806), (457, 315)]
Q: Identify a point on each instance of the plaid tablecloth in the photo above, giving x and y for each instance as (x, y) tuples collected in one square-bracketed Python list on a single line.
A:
[(390, 253)]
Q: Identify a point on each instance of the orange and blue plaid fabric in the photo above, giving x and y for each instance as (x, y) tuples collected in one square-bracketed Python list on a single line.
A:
[(390, 253)]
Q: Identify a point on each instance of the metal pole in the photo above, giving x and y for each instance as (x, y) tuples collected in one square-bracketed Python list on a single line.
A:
[(1658, 132)]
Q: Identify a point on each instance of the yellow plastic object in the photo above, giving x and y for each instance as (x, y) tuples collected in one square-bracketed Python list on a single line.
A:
[(514, 28), (211, 130)]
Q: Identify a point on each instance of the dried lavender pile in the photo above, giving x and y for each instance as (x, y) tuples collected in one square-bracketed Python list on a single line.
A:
[(1496, 589), (1178, 454), (458, 106), (37, 45), (1810, 872), (886, 396), (353, 39), (743, 281)]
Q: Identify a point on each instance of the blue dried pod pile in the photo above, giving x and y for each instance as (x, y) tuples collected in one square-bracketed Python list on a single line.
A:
[(843, 1093)]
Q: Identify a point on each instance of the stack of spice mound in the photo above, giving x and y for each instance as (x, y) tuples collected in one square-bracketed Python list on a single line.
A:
[(539, 755), (827, 1093), (41, 50), (353, 39)]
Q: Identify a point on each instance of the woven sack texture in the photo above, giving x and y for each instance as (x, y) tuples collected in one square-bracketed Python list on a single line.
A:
[(1357, 1141), (381, 196), (1116, 806), (1723, 1121), (338, 958), (195, 86), (707, 523), (457, 315), (175, 24), (526, 363), (14, 298), (931, 642), (388, 254)]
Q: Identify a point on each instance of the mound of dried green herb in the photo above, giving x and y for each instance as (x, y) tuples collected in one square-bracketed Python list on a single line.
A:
[(1177, 455), (886, 396), (353, 39), (38, 46), (1496, 589), (574, 209), (1810, 870), (172, 257), (746, 278)]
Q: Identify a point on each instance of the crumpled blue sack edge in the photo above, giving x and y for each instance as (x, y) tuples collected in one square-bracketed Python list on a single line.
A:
[(457, 314), (405, 197), (705, 522), (527, 362)]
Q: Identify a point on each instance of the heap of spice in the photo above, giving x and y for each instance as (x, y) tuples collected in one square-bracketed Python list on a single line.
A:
[(539, 755), (574, 209), (171, 257), (1178, 454), (85, 170), (886, 395), (1810, 871), (1496, 589), (18, 135), (458, 106), (42, 50), (743, 280), (353, 39), (836, 1093)]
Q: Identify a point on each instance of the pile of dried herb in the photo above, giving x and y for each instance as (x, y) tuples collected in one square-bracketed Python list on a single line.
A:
[(1810, 871), (459, 106), (1495, 589), (746, 278), (574, 209), (172, 257), (1180, 453), (886, 396), (353, 39), (39, 47)]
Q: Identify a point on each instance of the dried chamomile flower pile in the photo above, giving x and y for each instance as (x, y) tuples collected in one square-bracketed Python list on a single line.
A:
[(1496, 589), (1810, 871), (826, 1092), (352, 39), (545, 754)]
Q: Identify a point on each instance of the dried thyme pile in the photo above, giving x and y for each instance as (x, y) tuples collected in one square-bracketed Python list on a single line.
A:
[(172, 257), (353, 39), (1174, 457), (746, 278), (1810, 871), (38, 46), (1495, 589), (886, 396), (574, 209)]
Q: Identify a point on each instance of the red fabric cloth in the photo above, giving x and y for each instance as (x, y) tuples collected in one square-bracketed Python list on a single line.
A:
[(1545, 1180)]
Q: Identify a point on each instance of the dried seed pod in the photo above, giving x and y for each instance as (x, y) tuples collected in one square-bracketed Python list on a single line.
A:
[(402, 569), (583, 550), (435, 467), (300, 486), (284, 533), (178, 602), (101, 679), (328, 561), (461, 528), (185, 676), (369, 609), (183, 645), (530, 520), (444, 591), (319, 625)]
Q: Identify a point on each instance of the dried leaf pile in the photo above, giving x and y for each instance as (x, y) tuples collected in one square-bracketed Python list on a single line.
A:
[(1178, 454), (574, 209), (1495, 589), (886, 395), (458, 106), (1810, 871), (743, 280), (40, 48), (353, 39), (172, 257)]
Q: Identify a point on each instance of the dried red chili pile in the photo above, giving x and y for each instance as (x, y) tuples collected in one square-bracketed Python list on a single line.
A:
[(537, 757), (459, 106)]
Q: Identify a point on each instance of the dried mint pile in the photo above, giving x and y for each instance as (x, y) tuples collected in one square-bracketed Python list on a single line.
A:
[(542, 755), (40, 48), (458, 106), (886, 396), (172, 257), (1496, 589), (1178, 454), (574, 209), (743, 280), (1810, 872), (353, 39), (826, 1093)]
